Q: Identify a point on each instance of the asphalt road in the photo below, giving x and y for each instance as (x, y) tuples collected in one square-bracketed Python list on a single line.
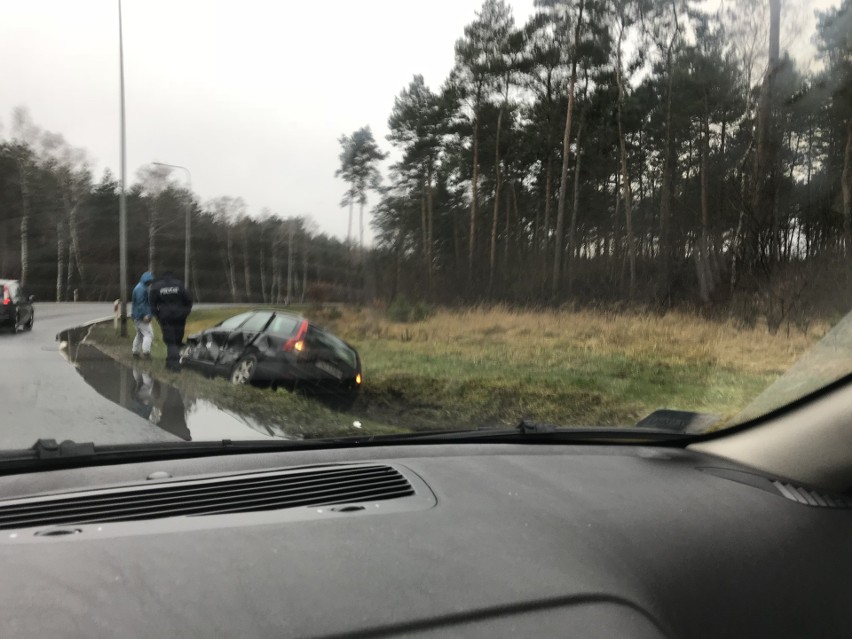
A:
[(43, 396)]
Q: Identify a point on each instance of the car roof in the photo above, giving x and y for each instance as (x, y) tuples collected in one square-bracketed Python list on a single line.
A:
[(277, 312), (4, 281)]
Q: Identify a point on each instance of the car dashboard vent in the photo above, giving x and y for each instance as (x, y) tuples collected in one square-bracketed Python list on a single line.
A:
[(811, 497), (265, 491)]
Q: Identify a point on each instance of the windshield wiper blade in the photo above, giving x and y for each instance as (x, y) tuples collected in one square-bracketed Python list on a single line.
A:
[(526, 432), (48, 454)]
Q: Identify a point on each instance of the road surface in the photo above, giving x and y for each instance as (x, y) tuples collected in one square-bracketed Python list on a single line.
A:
[(43, 396)]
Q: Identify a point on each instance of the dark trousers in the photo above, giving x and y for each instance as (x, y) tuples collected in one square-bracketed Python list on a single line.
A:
[(173, 337)]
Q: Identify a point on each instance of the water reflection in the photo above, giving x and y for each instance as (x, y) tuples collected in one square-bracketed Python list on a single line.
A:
[(161, 404)]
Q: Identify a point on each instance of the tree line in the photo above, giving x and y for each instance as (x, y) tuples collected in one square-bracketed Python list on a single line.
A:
[(641, 151), (59, 232), (652, 151)]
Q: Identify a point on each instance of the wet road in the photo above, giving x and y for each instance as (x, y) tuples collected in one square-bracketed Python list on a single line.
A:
[(42, 396)]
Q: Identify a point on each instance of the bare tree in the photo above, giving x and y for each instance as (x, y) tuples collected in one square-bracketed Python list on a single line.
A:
[(244, 223), (566, 152), (621, 26), (24, 135), (846, 182), (667, 35), (70, 168), (227, 211), (154, 179)]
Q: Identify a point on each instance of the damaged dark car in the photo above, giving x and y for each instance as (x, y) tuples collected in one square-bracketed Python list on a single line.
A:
[(275, 348)]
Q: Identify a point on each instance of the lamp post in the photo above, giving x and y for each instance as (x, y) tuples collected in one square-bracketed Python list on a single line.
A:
[(122, 198), (188, 217)]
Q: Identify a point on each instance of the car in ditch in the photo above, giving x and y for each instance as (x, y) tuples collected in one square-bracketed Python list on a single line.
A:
[(16, 307), (275, 348)]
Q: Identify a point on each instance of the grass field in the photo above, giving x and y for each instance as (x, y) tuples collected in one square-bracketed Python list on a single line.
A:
[(573, 368), (495, 366)]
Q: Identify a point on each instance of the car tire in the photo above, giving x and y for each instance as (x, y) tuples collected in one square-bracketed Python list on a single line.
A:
[(244, 370)]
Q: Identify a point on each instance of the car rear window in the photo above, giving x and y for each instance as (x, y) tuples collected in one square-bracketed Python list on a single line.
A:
[(321, 339), (284, 325)]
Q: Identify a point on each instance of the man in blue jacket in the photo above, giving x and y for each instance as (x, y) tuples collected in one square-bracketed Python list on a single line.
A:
[(141, 314)]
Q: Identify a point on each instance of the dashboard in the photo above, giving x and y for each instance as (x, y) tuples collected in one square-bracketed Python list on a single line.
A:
[(473, 540)]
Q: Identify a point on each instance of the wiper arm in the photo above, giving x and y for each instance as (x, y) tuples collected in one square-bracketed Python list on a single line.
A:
[(531, 432), (48, 454), (49, 449), (679, 421), (532, 428)]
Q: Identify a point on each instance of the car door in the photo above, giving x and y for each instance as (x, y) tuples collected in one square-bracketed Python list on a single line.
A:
[(214, 340), (239, 339)]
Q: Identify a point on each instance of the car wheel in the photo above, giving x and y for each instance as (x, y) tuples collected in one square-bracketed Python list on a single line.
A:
[(243, 371)]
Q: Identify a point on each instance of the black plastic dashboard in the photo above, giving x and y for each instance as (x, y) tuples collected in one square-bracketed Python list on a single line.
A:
[(505, 540)]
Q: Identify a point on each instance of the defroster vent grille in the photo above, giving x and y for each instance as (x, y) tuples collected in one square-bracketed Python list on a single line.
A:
[(812, 497), (213, 496)]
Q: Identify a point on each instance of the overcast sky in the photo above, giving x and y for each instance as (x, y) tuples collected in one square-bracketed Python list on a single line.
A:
[(250, 95)]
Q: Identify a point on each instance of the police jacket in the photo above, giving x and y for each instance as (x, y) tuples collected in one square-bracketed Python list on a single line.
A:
[(169, 299)]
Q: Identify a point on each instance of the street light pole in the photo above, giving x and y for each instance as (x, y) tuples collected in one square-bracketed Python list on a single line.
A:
[(122, 198), (188, 217)]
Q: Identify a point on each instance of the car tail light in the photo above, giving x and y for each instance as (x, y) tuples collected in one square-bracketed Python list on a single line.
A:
[(7, 299), (297, 343), (358, 379)]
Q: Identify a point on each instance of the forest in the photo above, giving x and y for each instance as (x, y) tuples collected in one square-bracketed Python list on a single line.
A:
[(662, 153)]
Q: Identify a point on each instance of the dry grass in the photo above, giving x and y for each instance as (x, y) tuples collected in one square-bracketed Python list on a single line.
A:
[(546, 337), (497, 364), (494, 366)]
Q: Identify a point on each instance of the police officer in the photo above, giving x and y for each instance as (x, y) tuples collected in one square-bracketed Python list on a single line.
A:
[(171, 304)]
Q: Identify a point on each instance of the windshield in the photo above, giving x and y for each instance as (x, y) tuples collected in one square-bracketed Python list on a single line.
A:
[(565, 212)]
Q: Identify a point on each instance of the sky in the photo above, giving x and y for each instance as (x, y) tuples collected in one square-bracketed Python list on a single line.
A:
[(250, 95)]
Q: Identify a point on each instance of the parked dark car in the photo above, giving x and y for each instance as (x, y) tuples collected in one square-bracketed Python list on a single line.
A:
[(275, 348), (16, 307)]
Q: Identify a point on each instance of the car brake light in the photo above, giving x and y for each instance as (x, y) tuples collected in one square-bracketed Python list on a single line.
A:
[(358, 378), (6, 297), (296, 343)]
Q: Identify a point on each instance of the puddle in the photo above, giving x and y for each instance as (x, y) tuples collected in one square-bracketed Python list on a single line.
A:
[(161, 404)]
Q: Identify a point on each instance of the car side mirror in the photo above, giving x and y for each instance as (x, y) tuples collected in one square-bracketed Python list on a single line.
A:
[(31, 298)]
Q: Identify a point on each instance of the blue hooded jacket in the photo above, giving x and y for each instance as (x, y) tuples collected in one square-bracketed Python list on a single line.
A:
[(141, 306)]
